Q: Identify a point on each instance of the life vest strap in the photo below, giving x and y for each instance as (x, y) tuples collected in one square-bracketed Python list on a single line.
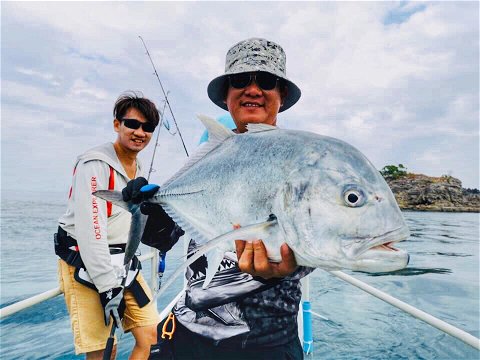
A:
[(66, 249)]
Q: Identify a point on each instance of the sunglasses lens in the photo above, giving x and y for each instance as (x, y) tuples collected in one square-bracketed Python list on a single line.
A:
[(239, 81), (148, 127), (132, 123), (135, 124), (266, 81)]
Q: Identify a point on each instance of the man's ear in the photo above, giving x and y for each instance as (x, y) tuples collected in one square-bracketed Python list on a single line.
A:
[(283, 95), (225, 93), (116, 125)]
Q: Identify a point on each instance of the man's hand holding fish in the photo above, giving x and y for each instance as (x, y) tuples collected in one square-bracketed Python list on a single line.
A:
[(253, 259)]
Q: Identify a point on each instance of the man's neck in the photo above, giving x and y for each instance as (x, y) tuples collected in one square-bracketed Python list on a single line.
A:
[(127, 158)]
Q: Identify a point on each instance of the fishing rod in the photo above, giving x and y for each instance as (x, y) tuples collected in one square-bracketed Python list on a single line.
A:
[(164, 94), (161, 254), (156, 141)]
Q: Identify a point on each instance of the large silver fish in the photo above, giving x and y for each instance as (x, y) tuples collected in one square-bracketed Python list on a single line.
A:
[(318, 194)]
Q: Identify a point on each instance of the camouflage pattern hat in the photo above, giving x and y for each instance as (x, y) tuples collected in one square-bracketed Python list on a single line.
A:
[(251, 55)]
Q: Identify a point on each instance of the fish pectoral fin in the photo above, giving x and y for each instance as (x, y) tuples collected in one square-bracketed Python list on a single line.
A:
[(115, 197), (214, 259), (245, 232)]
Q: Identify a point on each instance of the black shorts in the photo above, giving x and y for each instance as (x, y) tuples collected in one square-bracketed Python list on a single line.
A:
[(186, 345)]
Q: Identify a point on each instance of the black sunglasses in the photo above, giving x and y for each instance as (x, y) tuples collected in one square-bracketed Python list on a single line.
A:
[(264, 80), (135, 124)]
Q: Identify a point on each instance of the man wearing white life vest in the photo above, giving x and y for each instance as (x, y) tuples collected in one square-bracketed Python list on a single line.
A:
[(92, 235)]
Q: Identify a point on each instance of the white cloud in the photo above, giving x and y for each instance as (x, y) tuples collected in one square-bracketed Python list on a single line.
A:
[(45, 76), (402, 92), (81, 87)]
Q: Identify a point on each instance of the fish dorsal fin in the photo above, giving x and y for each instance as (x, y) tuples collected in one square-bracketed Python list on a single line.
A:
[(253, 128), (217, 134)]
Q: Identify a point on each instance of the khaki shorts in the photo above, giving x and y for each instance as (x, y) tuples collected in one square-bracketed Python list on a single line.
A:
[(86, 312)]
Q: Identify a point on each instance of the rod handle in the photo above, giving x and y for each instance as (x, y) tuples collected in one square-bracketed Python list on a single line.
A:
[(107, 354)]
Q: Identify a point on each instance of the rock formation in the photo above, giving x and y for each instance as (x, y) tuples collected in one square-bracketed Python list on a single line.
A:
[(425, 193)]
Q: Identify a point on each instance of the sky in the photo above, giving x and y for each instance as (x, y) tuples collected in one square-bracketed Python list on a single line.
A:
[(397, 80)]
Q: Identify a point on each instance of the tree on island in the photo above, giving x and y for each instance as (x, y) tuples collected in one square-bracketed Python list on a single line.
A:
[(393, 172)]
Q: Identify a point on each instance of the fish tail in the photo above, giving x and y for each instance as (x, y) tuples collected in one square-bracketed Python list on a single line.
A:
[(138, 220), (137, 226)]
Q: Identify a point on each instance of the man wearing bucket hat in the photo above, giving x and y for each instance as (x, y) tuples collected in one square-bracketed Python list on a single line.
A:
[(254, 89), (249, 311)]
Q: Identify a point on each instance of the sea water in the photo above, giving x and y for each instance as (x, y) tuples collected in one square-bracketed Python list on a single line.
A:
[(442, 279)]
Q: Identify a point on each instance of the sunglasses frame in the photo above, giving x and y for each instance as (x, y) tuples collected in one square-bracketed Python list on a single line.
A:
[(138, 124), (254, 77)]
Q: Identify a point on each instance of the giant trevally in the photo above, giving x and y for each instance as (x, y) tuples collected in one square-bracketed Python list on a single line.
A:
[(318, 194)]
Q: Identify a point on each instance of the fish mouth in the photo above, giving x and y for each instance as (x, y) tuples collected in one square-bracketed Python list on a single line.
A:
[(354, 248)]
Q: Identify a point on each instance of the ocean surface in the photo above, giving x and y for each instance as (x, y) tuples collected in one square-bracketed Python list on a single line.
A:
[(441, 279)]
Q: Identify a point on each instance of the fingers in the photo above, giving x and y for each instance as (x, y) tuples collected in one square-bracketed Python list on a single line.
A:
[(239, 246), (288, 263), (253, 258), (260, 260), (245, 261)]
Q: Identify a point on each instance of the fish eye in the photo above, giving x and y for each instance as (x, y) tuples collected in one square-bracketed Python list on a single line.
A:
[(353, 197)]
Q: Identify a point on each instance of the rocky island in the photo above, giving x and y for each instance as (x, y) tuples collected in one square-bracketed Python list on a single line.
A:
[(426, 193)]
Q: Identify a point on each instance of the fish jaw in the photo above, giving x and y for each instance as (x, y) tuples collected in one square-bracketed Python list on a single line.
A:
[(378, 254), (380, 259), (356, 247)]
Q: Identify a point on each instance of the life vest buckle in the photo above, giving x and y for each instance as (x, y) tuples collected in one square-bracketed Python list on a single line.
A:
[(165, 332)]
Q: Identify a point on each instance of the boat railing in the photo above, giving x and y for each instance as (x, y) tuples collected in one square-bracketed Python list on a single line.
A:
[(31, 301), (304, 318)]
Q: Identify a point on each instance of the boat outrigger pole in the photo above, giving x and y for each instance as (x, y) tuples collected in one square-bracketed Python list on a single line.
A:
[(164, 94)]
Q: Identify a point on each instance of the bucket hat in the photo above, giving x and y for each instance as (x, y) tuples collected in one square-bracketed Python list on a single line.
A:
[(252, 55)]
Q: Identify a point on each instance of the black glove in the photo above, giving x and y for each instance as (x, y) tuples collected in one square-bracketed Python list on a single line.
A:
[(132, 193), (161, 232), (114, 305), (136, 190)]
